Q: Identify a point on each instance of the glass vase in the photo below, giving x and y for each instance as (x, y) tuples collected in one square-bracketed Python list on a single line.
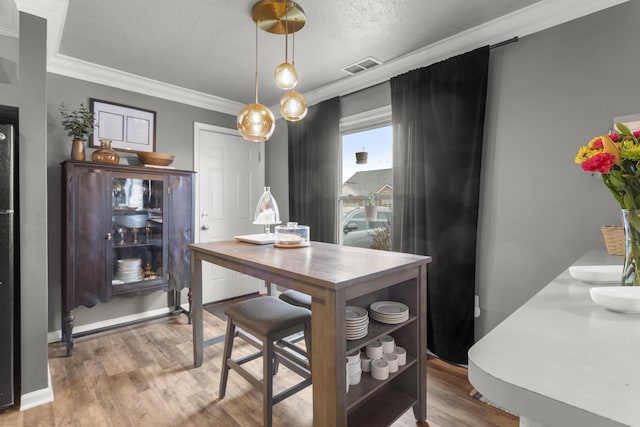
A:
[(631, 223), (105, 154)]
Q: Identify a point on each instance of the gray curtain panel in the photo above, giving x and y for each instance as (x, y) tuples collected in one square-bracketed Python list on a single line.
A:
[(314, 151), (438, 121)]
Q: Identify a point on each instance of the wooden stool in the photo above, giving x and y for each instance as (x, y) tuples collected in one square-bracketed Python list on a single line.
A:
[(296, 298), (268, 320)]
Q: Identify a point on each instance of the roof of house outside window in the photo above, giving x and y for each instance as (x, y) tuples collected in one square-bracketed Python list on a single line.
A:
[(365, 182)]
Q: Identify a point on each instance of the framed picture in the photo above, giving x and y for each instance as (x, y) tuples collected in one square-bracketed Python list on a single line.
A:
[(632, 122), (128, 128)]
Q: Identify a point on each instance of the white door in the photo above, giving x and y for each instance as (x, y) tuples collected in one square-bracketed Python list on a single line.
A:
[(230, 180)]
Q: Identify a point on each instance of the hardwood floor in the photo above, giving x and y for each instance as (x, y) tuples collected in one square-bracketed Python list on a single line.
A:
[(142, 375)]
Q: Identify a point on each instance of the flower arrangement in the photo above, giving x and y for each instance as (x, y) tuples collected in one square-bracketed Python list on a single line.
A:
[(616, 157)]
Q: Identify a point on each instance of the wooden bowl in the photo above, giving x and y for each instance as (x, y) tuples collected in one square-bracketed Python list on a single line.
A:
[(156, 159)]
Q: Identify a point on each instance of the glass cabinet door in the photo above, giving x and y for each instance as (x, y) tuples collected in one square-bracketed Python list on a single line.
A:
[(137, 252)]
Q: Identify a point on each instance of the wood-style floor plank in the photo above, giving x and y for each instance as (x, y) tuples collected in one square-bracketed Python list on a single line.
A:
[(143, 375)]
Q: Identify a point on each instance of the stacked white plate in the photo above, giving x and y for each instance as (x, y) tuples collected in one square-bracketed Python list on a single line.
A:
[(129, 270), (356, 322), (389, 312)]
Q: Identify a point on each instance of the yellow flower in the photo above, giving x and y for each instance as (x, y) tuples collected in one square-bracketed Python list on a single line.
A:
[(583, 154)]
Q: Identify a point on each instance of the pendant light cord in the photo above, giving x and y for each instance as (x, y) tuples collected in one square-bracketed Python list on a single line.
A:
[(286, 33), (293, 48), (256, 61)]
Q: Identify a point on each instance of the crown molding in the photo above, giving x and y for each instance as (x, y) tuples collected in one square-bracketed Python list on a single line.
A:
[(9, 19), (537, 17), (83, 70)]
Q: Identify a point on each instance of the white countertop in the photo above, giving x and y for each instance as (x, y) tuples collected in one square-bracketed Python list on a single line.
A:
[(562, 360)]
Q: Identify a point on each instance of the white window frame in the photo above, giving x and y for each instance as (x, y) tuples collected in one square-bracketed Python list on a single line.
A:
[(359, 122)]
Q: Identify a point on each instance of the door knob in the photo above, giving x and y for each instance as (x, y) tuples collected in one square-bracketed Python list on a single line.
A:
[(107, 236), (205, 227)]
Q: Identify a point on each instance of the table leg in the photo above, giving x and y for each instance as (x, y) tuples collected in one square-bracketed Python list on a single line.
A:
[(271, 288), (328, 359), (420, 408), (196, 309)]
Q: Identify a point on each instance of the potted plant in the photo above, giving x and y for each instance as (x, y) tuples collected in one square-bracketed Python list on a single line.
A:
[(78, 123), (370, 208)]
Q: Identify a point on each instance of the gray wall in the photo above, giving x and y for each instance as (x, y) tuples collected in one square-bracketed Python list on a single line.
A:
[(276, 168), (29, 96), (174, 134), (548, 94)]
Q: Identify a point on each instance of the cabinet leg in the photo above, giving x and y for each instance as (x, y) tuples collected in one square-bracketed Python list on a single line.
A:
[(67, 331)]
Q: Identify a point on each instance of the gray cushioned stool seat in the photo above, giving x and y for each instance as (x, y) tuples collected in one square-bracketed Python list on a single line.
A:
[(296, 298), (267, 320), (267, 314)]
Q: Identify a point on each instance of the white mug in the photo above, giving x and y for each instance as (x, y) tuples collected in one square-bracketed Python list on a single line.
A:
[(388, 344), (379, 369), (392, 360), (402, 355), (374, 350)]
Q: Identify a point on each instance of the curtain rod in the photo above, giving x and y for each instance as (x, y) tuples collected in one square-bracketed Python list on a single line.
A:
[(502, 43)]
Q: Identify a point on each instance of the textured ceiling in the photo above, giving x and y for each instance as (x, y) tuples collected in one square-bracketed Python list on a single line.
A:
[(209, 45), (202, 52)]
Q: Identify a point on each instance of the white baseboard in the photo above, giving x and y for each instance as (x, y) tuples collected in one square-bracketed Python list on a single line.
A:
[(55, 336), (38, 397)]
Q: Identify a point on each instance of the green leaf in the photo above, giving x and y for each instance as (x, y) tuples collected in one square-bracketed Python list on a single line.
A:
[(624, 130)]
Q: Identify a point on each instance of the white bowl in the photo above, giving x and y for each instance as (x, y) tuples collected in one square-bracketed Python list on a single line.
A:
[(388, 343), (354, 379), (129, 262), (379, 369), (402, 355), (392, 360), (353, 358), (365, 363), (374, 350), (596, 273), (621, 299)]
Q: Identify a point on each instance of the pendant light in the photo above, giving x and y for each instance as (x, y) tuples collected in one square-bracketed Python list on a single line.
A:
[(284, 17), (285, 74), (292, 105), (256, 121)]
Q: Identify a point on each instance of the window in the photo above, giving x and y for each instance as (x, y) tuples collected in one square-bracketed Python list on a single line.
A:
[(361, 225)]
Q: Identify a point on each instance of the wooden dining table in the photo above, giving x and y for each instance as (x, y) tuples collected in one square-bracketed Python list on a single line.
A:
[(337, 276)]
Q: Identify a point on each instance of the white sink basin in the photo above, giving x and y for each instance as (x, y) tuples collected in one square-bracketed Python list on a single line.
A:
[(596, 273)]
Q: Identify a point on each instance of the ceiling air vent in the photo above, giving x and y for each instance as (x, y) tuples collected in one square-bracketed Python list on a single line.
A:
[(362, 65)]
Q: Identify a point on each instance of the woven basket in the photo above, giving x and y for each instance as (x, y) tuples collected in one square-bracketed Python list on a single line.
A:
[(613, 239)]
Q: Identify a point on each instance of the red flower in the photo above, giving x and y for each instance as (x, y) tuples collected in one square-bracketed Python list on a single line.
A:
[(615, 136), (636, 134), (597, 144), (601, 162)]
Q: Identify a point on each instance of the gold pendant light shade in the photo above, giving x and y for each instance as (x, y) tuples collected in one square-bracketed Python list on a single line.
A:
[(292, 106), (256, 122), (285, 76)]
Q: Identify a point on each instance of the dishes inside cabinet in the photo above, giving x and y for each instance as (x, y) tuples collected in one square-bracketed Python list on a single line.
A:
[(389, 312), (356, 322)]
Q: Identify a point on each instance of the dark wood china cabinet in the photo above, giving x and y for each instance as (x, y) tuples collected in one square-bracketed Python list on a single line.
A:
[(125, 231)]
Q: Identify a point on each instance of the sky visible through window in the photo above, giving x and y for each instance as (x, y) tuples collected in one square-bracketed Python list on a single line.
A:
[(377, 142)]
